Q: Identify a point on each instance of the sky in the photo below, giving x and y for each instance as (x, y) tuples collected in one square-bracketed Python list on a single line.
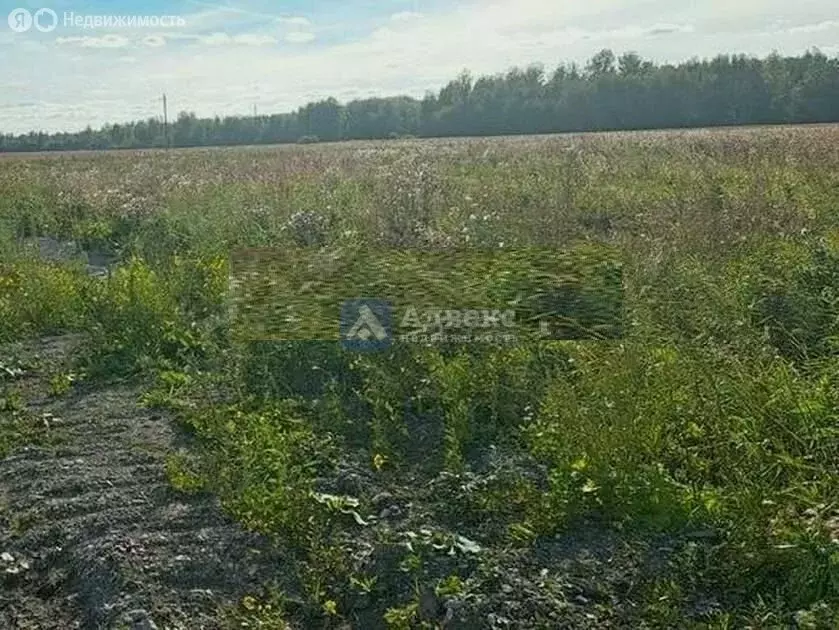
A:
[(227, 58)]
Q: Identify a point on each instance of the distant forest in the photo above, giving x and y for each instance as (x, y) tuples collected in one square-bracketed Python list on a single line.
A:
[(608, 93)]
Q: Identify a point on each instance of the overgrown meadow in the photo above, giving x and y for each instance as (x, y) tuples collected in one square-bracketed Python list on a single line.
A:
[(464, 486)]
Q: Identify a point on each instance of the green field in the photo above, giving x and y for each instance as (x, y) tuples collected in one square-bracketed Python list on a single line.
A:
[(682, 474)]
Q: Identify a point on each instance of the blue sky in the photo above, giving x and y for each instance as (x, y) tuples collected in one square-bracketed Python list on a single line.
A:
[(227, 57)]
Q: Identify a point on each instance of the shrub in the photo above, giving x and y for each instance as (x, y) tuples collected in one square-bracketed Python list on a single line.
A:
[(41, 299), (137, 323), (801, 313)]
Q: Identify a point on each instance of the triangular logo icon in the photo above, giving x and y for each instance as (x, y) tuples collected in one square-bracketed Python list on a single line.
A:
[(367, 326)]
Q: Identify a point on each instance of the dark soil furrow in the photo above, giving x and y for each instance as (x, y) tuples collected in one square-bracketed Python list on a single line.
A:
[(93, 536)]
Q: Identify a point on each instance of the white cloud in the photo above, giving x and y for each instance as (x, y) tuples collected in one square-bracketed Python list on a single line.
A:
[(214, 39), (406, 16), (252, 39), (154, 41), (224, 39), (295, 21), (669, 29), (106, 41), (299, 37), (819, 27)]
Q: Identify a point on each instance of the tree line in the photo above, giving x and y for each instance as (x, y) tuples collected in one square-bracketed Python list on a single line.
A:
[(609, 92)]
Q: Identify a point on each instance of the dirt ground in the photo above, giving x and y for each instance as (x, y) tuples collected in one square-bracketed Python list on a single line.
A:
[(91, 533)]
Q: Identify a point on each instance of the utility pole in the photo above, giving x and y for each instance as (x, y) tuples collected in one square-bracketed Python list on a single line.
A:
[(165, 122)]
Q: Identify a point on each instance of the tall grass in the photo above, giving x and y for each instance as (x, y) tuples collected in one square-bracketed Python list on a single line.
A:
[(717, 412)]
